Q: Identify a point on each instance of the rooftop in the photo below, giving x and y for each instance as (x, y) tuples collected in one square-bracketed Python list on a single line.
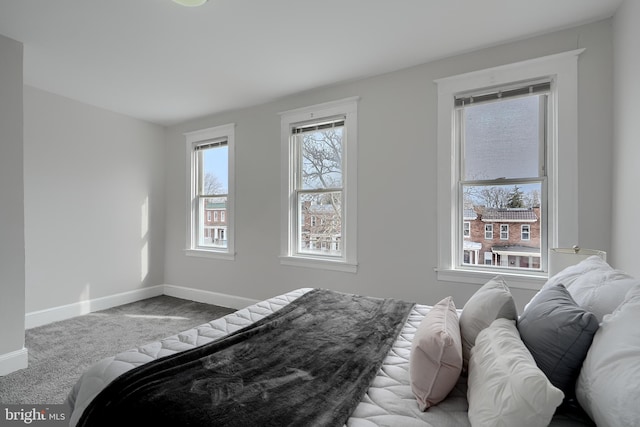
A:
[(509, 215)]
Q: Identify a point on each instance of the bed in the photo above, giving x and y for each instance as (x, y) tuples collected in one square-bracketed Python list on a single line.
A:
[(389, 398)]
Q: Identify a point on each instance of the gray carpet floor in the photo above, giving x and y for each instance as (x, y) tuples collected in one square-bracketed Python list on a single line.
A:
[(59, 352)]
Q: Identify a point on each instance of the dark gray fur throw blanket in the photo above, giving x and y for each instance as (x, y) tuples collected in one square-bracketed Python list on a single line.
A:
[(308, 364)]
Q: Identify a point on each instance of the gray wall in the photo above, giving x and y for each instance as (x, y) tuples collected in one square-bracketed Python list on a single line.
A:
[(94, 201), (12, 246), (626, 174), (396, 178)]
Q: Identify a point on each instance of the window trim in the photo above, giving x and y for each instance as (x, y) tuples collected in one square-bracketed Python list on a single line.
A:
[(488, 228), (348, 261), (562, 70), (528, 232), (194, 139), (466, 228), (504, 227)]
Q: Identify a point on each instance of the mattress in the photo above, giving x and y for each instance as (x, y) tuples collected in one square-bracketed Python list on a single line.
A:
[(389, 400)]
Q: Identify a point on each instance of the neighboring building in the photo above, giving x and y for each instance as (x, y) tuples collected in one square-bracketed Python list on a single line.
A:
[(321, 229), (507, 237), (215, 223)]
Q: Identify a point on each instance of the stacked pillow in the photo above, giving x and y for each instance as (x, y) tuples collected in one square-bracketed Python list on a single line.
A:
[(558, 333), (505, 387), (436, 358), (593, 284), (608, 387), (436, 355), (578, 336), (492, 301), (607, 364), (602, 291), (572, 273)]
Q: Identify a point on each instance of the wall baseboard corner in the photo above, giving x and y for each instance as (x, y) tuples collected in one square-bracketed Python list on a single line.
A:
[(208, 297), (13, 361), (63, 312)]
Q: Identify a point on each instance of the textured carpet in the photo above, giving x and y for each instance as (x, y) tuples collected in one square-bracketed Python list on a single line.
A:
[(59, 352)]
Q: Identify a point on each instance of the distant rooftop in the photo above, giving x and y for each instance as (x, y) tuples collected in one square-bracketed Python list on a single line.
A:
[(216, 205), (509, 215), (469, 214)]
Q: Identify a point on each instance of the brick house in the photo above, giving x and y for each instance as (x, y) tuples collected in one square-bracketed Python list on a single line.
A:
[(508, 237), (321, 228), (215, 223)]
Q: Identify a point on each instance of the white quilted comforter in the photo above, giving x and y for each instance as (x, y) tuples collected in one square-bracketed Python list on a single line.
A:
[(388, 402)]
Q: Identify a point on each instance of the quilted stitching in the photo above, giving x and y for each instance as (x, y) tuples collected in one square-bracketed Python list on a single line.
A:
[(388, 402)]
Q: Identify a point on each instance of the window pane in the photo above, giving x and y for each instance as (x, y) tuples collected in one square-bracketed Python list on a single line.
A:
[(505, 222), (502, 139), (215, 170), (320, 223), (321, 158), (212, 224)]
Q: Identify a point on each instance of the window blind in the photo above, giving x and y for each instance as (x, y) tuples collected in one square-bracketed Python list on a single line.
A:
[(211, 144), (537, 88), (317, 126)]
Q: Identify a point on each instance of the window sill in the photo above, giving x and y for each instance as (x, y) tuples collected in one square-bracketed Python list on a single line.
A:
[(529, 281), (323, 264), (203, 253)]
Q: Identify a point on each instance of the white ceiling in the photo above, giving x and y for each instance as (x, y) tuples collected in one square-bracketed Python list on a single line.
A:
[(157, 61)]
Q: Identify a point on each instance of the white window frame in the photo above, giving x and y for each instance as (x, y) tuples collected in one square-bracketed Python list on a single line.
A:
[(193, 139), (528, 232), (504, 231), (562, 195), (488, 228), (347, 262), (466, 228)]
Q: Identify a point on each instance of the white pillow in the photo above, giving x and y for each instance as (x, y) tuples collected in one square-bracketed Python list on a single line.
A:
[(505, 386), (601, 291), (570, 274), (608, 387), (492, 301)]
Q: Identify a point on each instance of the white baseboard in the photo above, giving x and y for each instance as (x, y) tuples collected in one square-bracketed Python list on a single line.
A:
[(13, 361), (208, 297), (63, 312)]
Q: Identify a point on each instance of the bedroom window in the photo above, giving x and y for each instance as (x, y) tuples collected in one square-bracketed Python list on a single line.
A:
[(319, 186), (210, 188), (501, 141), (507, 149), (502, 134)]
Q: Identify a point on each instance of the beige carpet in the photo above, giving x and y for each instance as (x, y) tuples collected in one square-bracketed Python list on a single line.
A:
[(61, 351)]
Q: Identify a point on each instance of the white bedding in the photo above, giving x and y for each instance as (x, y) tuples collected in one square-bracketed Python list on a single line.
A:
[(388, 402)]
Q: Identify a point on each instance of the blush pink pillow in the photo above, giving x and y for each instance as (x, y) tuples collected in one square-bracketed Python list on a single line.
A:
[(435, 361)]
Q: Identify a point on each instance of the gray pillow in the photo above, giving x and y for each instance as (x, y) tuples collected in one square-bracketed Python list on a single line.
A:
[(558, 333), (492, 301)]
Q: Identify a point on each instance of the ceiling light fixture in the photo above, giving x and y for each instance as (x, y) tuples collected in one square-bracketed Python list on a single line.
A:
[(190, 3)]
